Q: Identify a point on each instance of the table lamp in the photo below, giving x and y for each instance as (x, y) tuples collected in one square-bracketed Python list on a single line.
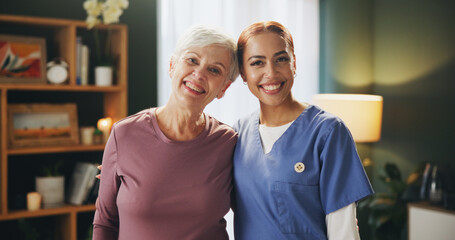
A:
[(361, 113)]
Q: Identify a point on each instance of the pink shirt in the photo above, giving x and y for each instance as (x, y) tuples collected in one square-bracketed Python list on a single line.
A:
[(156, 188)]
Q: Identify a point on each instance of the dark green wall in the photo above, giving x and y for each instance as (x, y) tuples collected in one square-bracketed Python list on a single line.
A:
[(403, 50), (142, 50)]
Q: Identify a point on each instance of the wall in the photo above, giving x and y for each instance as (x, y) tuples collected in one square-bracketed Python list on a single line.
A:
[(141, 20), (403, 50)]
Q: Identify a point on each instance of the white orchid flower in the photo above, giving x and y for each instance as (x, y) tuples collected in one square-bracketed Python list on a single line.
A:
[(112, 15), (92, 21), (93, 8), (123, 4)]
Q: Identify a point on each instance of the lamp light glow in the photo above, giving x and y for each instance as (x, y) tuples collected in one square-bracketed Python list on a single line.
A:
[(361, 113), (104, 125)]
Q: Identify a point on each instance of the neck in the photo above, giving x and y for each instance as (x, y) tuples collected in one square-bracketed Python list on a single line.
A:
[(278, 115), (179, 123)]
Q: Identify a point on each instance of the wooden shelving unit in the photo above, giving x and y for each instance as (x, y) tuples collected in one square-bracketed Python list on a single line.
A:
[(113, 102)]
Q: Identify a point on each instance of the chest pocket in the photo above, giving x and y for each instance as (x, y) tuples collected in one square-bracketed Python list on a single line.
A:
[(299, 210)]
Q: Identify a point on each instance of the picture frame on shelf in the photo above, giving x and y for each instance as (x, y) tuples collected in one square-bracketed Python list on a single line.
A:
[(22, 59), (42, 125)]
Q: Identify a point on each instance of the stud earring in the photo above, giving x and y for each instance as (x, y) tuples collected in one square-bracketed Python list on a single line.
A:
[(244, 83)]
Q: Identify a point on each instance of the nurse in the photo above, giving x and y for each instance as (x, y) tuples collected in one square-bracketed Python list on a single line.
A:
[(297, 174)]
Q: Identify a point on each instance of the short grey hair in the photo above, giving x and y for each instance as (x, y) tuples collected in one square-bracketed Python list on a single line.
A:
[(204, 35)]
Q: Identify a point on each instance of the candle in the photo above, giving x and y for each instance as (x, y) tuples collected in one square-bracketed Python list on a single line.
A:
[(33, 201), (87, 135), (104, 125)]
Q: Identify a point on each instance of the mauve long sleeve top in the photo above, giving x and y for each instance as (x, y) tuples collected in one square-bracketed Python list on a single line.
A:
[(155, 188)]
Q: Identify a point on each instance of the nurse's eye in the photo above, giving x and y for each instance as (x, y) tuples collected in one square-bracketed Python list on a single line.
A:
[(257, 63), (283, 59)]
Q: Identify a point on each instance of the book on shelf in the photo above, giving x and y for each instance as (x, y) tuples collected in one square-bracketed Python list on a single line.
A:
[(85, 51), (78, 59), (82, 182), (93, 193)]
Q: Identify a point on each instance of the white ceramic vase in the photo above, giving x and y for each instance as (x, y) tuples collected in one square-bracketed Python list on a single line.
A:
[(52, 189), (103, 76)]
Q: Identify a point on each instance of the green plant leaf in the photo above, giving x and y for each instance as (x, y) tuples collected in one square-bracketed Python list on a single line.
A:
[(378, 218), (392, 171), (396, 186), (382, 203)]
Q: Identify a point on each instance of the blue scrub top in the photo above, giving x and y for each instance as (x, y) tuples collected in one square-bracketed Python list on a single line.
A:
[(275, 201)]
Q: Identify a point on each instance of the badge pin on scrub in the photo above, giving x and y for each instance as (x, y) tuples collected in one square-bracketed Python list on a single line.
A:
[(299, 167)]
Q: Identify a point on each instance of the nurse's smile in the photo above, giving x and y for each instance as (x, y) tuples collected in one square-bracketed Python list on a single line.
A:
[(271, 88)]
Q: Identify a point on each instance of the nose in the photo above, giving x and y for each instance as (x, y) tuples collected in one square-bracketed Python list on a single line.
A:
[(270, 71), (199, 73)]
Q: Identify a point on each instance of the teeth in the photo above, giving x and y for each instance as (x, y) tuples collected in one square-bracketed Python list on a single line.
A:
[(193, 87), (271, 87)]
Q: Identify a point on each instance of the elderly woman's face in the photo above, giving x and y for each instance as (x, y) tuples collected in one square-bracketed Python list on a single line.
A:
[(200, 75)]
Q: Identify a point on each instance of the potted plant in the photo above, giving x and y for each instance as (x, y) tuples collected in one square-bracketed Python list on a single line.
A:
[(51, 186), (106, 12), (386, 212)]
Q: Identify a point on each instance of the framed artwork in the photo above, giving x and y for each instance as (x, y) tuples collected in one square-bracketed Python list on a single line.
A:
[(22, 59), (42, 124)]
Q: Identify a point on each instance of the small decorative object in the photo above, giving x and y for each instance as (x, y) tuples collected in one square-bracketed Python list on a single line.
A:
[(106, 12), (436, 186), (33, 201), (104, 125), (22, 59), (87, 135), (97, 137), (42, 124), (103, 76), (57, 71), (51, 186)]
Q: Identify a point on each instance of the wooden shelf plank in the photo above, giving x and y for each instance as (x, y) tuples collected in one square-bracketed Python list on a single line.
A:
[(67, 209), (52, 22), (49, 87), (55, 149)]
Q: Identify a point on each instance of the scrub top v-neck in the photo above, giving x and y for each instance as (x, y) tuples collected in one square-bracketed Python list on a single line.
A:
[(312, 170)]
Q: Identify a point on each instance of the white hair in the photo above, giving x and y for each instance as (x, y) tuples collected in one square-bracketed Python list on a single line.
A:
[(204, 35)]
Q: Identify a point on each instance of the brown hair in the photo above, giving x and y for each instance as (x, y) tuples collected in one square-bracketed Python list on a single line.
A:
[(264, 27)]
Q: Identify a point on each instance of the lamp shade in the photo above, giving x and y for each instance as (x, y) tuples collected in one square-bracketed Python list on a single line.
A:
[(361, 113)]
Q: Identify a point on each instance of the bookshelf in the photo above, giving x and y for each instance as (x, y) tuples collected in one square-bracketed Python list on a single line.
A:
[(93, 102)]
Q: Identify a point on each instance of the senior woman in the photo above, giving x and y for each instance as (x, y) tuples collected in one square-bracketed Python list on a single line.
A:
[(167, 170)]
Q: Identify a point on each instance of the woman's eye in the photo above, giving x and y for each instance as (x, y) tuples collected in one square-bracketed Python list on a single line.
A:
[(215, 70), (191, 60), (283, 59), (256, 63)]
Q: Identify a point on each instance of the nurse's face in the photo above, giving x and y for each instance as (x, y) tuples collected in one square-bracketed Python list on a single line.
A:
[(267, 69), (199, 75)]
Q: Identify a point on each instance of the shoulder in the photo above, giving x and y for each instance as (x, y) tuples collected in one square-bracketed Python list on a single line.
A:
[(322, 119), (328, 125), (132, 120), (246, 122), (220, 129)]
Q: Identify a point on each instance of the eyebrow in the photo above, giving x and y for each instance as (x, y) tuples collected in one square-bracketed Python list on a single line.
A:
[(260, 56)]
